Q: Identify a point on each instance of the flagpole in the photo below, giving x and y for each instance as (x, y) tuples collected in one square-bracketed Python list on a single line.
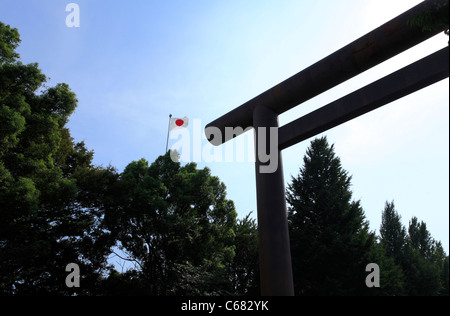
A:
[(168, 130)]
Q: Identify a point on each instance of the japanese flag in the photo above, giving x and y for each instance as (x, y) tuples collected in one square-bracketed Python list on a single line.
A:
[(176, 123)]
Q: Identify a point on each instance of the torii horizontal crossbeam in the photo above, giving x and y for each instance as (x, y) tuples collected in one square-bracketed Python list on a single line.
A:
[(416, 76)]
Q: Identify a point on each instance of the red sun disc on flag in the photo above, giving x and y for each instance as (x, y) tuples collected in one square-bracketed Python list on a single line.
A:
[(179, 122)]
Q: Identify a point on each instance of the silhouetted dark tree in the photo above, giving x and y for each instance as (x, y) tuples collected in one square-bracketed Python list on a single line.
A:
[(244, 269), (422, 259), (330, 239), (176, 224), (47, 219)]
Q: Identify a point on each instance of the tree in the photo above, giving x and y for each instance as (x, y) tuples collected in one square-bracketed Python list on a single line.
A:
[(244, 269), (392, 233), (445, 277), (330, 239), (393, 242), (420, 238), (176, 224), (46, 222), (422, 259), (423, 262), (9, 41)]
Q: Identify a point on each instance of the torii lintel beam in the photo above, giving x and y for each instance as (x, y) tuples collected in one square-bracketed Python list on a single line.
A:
[(364, 53), (407, 80)]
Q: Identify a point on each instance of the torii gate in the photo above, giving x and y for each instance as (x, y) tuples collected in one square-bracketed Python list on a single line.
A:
[(262, 112)]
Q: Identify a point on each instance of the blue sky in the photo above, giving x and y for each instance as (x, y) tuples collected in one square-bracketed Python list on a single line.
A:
[(132, 63)]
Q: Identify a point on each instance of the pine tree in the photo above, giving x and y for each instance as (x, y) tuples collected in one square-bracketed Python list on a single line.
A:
[(393, 242), (421, 259), (393, 234), (422, 265), (330, 239)]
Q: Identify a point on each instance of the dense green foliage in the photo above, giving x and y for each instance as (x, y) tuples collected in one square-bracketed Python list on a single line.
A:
[(48, 219), (330, 239), (173, 224), (331, 243), (177, 227), (176, 224), (421, 259)]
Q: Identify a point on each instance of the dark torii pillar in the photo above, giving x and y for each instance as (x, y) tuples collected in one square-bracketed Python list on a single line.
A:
[(274, 247), (262, 112)]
